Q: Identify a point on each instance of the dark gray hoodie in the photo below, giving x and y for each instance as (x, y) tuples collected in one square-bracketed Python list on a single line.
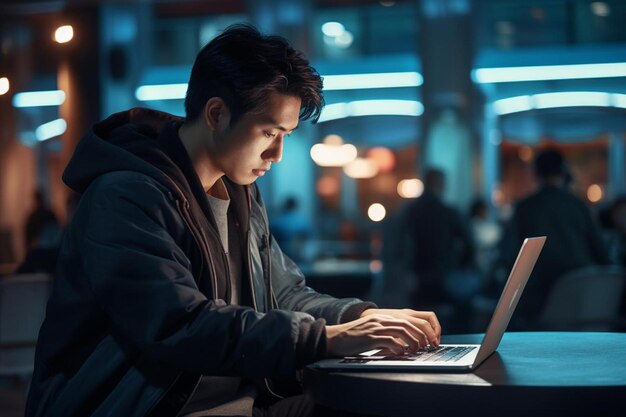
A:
[(140, 306)]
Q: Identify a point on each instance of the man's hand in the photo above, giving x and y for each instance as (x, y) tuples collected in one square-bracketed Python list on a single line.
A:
[(393, 331), (425, 321)]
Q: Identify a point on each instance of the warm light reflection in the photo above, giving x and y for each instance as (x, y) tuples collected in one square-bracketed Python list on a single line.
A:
[(361, 168), (410, 188), (334, 140), (327, 186), (594, 193), (376, 266), (376, 212), (525, 153), (332, 153), (383, 157), (4, 85), (64, 34)]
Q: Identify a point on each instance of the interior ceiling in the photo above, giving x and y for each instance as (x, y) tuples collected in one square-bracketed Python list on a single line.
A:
[(173, 7), (542, 23)]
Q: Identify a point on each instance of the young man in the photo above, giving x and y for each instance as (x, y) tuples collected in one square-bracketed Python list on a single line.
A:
[(172, 297)]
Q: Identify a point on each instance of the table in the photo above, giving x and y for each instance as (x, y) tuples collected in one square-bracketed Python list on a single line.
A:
[(531, 374)]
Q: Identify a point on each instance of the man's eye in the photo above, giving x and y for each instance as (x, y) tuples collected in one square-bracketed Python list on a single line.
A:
[(270, 134)]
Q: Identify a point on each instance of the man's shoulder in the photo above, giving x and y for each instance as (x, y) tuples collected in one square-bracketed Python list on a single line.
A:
[(133, 186), (122, 179)]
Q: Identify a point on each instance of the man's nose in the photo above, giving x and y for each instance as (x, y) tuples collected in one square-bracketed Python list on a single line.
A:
[(275, 152)]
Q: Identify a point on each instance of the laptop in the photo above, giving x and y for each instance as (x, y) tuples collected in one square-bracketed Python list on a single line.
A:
[(454, 357)]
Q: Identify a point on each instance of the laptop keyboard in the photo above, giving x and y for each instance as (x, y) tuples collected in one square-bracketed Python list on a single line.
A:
[(431, 353)]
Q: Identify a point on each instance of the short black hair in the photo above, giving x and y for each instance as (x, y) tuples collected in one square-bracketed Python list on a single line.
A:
[(243, 67), (550, 163)]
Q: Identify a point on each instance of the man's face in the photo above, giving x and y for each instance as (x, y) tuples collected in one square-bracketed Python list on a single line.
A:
[(246, 150)]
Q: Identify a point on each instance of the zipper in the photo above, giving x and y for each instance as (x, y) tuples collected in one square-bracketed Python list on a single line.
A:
[(250, 279), (266, 381), (229, 294), (273, 301)]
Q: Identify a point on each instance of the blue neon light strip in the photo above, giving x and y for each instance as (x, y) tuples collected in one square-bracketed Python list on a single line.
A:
[(50, 130), (560, 99), (161, 92), (376, 80), (39, 98), (371, 108), (331, 82), (548, 72)]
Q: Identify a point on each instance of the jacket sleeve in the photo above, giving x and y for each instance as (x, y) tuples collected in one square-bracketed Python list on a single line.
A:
[(141, 279), (292, 293), (289, 285)]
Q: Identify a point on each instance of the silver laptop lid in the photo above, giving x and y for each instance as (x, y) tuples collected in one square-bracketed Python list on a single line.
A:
[(524, 264)]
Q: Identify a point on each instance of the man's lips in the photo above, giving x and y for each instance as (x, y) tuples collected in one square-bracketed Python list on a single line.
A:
[(259, 172)]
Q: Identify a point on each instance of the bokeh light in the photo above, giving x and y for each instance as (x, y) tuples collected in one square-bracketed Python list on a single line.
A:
[(376, 212), (410, 188), (4, 85), (64, 34), (594, 193), (361, 168), (327, 186), (383, 157)]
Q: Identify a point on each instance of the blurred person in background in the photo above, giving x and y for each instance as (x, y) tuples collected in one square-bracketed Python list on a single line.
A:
[(573, 238), (42, 235), (486, 235), (172, 298), (439, 246), (42, 226), (614, 222)]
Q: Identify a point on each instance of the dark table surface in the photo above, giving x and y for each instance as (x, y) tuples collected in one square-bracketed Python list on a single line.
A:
[(543, 373)]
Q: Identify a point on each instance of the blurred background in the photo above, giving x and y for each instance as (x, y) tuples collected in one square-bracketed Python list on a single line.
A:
[(470, 91)]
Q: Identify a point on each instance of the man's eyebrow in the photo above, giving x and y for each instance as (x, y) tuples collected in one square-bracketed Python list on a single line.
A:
[(278, 126)]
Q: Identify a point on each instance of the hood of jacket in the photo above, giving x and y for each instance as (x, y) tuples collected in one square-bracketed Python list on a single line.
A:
[(125, 141)]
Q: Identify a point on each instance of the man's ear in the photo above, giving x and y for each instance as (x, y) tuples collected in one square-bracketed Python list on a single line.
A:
[(216, 114)]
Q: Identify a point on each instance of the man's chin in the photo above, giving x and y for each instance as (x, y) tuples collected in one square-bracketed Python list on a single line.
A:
[(242, 181)]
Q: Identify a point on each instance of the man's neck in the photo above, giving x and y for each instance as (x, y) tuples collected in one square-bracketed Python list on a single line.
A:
[(194, 140), (218, 190)]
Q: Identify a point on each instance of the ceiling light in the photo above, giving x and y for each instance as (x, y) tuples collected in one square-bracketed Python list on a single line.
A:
[(548, 72), (39, 98), (371, 108), (374, 80), (161, 92), (50, 130), (559, 99)]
